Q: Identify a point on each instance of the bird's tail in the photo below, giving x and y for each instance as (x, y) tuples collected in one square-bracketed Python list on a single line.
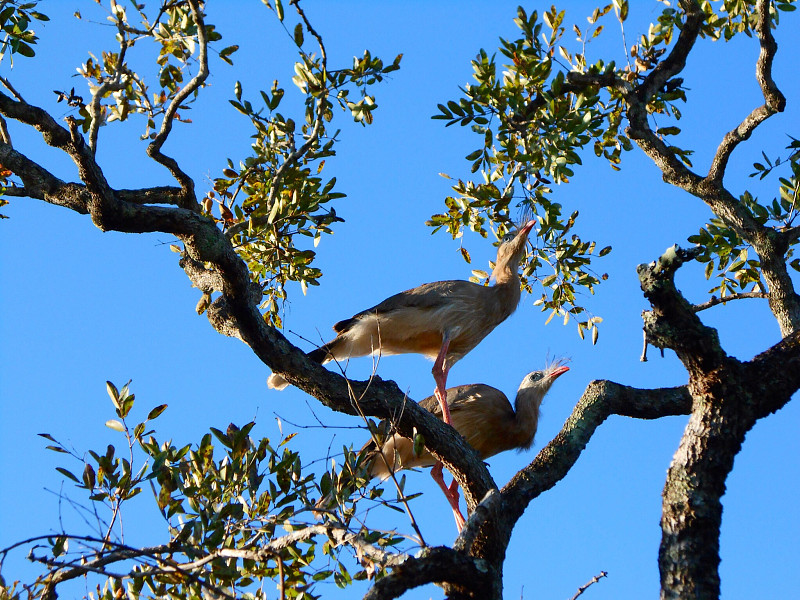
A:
[(320, 355)]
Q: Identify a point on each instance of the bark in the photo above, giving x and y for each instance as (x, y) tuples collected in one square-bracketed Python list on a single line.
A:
[(728, 397), (724, 397)]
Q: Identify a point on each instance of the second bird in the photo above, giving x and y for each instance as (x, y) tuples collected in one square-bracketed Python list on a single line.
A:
[(486, 419), (442, 320)]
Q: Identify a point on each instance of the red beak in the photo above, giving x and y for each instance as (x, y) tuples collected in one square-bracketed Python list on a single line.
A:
[(558, 371), (528, 226)]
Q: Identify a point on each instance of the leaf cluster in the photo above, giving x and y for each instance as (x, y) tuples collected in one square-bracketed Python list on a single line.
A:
[(120, 90), (726, 254), (16, 19), (533, 126), (234, 513), (279, 191)]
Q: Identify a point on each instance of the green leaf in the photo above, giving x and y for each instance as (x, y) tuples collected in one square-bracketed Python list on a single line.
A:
[(153, 414), (113, 393), (67, 474)]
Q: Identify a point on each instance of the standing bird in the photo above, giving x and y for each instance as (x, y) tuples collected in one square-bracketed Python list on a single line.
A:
[(442, 320), (486, 419)]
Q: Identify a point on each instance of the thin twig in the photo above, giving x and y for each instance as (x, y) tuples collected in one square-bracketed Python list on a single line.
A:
[(295, 155), (740, 296), (154, 149), (281, 578), (11, 89), (115, 84), (643, 357), (400, 494), (585, 586)]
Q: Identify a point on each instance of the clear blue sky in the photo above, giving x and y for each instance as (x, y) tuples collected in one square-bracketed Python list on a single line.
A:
[(78, 306)]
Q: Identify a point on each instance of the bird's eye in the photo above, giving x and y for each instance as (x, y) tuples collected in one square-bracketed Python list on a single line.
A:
[(508, 237), (535, 376)]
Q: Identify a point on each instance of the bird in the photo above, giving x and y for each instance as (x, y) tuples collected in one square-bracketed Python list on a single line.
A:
[(486, 419), (443, 320)]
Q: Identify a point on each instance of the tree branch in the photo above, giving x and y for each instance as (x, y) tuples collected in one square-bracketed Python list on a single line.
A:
[(600, 400), (587, 585), (725, 299), (435, 565), (297, 154), (154, 149), (107, 86), (639, 130), (672, 322), (776, 375), (774, 101), (768, 243)]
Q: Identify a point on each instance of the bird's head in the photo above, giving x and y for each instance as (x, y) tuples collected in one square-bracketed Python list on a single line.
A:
[(511, 249), (538, 383), (531, 392)]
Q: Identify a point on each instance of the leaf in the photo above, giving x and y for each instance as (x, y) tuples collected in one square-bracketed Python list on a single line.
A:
[(226, 52), (89, 478), (156, 412), (287, 439), (115, 425), (113, 392), (298, 34), (67, 474)]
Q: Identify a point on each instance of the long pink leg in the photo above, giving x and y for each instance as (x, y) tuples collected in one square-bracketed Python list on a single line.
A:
[(451, 493), (440, 370)]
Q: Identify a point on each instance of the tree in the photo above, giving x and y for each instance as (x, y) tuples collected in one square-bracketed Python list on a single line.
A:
[(533, 124)]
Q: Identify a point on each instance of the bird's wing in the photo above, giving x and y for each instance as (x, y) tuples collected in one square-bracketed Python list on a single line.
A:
[(481, 413), (466, 397), (428, 296)]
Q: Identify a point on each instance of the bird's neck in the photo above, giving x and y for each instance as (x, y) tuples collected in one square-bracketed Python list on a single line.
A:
[(526, 409), (507, 271), (507, 295)]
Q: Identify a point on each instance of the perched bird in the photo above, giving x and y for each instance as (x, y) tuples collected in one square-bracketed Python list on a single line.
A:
[(486, 419), (442, 320)]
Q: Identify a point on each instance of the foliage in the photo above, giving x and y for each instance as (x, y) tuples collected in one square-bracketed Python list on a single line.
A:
[(534, 123), (730, 257), (277, 193), (16, 19), (236, 516), (244, 511)]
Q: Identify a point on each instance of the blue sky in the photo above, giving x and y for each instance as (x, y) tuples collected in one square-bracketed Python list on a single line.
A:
[(79, 306)]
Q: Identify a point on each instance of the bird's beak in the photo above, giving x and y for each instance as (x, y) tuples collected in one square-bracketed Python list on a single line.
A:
[(558, 371), (528, 226)]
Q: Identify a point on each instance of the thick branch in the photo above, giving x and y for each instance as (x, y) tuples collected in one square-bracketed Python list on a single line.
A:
[(39, 183), (600, 400), (435, 565), (672, 322), (675, 61), (776, 375), (639, 129)]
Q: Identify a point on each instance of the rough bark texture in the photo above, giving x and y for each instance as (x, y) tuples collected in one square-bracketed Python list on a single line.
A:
[(724, 397)]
